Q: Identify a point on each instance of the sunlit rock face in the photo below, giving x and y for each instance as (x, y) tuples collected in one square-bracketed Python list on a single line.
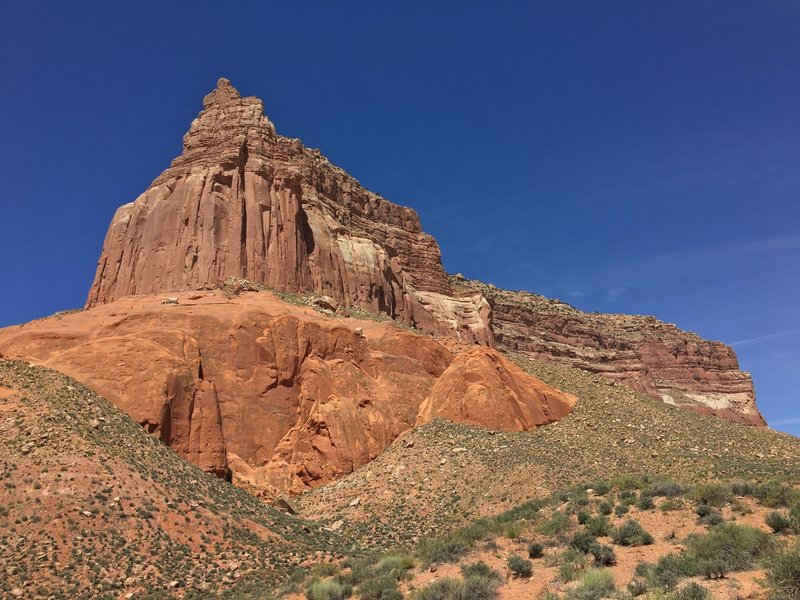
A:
[(243, 201)]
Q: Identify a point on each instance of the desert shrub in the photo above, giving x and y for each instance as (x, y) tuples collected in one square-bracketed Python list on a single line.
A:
[(691, 591), (729, 546), (637, 587), (668, 571), (711, 519), (794, 516), (360, 569), (631, 533), (671, 504), (645, 503), (479, 569), (621, 510), (605, 507), (521, 567), (440, 589), (703, 510), (777, 521), (328, 590), (382, 587), (395, 565), (557, 524), (713, 494), (441, 550), (604, 555), (783, 572), (535, 550), (743, 488), (583, 541), (601, 488), (582, 517), (598, 526), (593, 585), (665, 488), (776, 494)]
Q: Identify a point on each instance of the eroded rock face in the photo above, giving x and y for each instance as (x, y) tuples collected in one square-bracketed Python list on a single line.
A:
[(483, 388), (281, 397), (650, 356), (242, 201)]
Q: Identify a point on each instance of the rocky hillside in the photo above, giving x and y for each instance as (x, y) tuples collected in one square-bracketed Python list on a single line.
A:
[(242, 201), (643, 353), (91, 506)]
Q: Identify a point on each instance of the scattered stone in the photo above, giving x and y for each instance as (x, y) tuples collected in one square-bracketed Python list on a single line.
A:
[(355, 502)]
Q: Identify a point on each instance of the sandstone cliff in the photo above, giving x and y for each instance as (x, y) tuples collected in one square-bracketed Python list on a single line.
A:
[(643, 353), (242, 201), (280, 397)]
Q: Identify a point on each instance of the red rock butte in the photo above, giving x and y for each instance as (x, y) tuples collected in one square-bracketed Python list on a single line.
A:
[(282, 397)]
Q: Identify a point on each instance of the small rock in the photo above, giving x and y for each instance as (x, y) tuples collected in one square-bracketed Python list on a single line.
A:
[(169, 301), (86, 513), (173, 584), (94, 424), (17, 592), (337, 525), (443, 462), (355, 502), (359, 331)]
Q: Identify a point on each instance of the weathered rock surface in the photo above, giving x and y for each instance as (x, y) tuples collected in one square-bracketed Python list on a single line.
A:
[(645, 354), (483, 388), (283, 396), (242, 201)]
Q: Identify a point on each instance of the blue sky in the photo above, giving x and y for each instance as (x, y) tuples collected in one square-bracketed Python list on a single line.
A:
[(623, 156)]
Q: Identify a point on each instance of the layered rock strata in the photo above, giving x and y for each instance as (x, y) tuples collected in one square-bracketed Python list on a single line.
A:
[(242, 201), (643, 353)]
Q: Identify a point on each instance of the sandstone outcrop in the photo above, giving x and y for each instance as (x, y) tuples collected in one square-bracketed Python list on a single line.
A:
[(242, 201), (643, 353), (483, 388), (282, 396)]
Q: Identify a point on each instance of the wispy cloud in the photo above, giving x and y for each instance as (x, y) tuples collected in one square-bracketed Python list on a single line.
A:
[(762, 338)]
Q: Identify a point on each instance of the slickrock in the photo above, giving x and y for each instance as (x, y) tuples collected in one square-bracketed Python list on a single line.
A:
[(242, 201), (643, 353), (283, 396), (483, 388)]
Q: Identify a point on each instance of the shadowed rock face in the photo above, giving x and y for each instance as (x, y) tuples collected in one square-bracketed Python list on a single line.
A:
[(245, 202), (481, 387), (643, 353)]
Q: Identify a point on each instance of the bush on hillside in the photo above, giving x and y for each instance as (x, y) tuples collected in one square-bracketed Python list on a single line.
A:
[(631, 533), (783, 572), (519, 566)]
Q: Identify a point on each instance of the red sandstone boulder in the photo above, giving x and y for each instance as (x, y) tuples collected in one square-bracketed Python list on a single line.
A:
[(483, 388)]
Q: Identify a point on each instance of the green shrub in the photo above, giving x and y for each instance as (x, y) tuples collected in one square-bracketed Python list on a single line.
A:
[(441, 550), (645, 503), (671, 504), (521, 567), (734, 547), (711, 519), (604, 555), (582, 517), (479, 569), (691, 591), (776, 494), (637, 587), (713, 494), (669, 570), (382, 587), (598, 526), (327, 590), (605, 507), (783, 572), (601, 488), (440, 589), (558, 524), (594, 584), (631, 533), (777, 521), (395, 565), (666, 488), (703, 510), (535, 550), (583, 541), (621, 510)]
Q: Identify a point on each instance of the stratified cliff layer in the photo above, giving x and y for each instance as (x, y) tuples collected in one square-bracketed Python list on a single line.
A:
[(242, 201), (643, 353)]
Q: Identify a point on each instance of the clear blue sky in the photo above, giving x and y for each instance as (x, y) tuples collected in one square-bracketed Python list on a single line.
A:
[(625, 156)]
